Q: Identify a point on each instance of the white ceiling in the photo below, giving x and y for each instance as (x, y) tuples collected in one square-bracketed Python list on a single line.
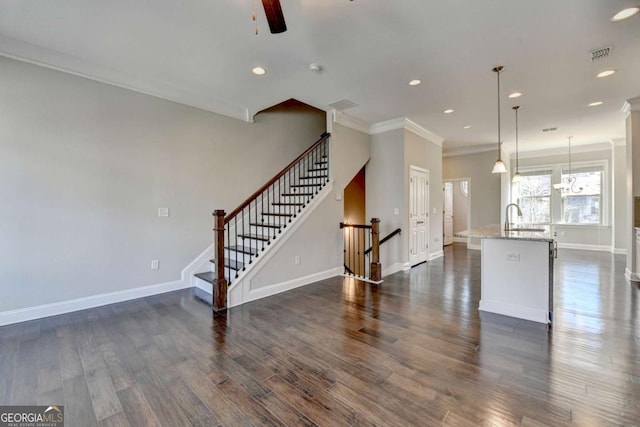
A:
[(201, 52)]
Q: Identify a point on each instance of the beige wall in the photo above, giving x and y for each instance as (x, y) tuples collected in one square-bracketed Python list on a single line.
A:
[(484, 187), (385, 192), (426, 155), (84, 167), (619, 198)]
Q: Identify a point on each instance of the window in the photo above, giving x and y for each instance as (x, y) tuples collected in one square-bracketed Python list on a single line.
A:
[(581, 203), (464, 188), (534, 197)]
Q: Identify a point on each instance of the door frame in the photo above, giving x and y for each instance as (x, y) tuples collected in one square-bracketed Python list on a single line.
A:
[(428, 219), (458, 180)]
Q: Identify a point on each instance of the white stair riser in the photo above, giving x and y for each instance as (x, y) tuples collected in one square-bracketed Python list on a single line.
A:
[(316, 173), (251, 243), (267, 231), (238, 256)]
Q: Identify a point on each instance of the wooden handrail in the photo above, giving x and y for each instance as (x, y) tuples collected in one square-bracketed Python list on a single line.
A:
[(386, 238), (343, 225), (268, 184)]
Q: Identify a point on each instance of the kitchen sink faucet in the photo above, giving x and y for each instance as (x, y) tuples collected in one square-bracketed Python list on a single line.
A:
[(507, 223)]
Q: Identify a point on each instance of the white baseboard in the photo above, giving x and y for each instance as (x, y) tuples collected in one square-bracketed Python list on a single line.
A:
[(394, 268), (618, 251), (266, 291), (435, 255), (630, 276), (474, 247), (517, 311), (62, 307), (584, 247), (361, 279)]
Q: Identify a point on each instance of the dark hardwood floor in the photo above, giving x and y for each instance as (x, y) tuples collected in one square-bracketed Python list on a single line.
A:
[(414, 351)]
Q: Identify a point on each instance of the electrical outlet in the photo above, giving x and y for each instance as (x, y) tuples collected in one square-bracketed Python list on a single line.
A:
[(163, 212), (296, 260), (155, 264)]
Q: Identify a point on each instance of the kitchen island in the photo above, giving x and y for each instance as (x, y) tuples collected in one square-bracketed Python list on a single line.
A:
[(516, 272)]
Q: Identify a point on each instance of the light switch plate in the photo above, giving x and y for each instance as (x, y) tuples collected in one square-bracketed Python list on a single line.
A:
[(396, 211), (155, 264), (512, 256), (163, 212)]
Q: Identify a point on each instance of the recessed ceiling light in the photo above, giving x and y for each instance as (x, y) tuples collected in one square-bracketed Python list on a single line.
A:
[(595, 104), (466, 127), (415, 82), (515, 95), (625, 13), (259, 71), (448, 111), (606, 73)]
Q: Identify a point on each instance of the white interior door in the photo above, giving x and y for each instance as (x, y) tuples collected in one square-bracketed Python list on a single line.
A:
[(448, 213), (418, 215)]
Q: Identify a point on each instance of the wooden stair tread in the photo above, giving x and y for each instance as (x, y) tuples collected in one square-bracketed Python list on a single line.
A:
[(277, 214), (314, 177), (317, 170), (230, 263), (251, 236), (242, 249), (257, 224), (287, 204), (207, 276), (308, 185), (297, 194)]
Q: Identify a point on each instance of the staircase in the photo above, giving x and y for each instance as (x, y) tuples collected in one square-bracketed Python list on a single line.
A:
[(243, 235)]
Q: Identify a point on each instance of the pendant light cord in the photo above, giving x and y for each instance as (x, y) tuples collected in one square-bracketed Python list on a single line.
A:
[(517, 154), (499, 139)]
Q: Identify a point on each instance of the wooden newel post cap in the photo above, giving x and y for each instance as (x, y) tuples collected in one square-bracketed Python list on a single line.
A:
[(218, 212), (375, 220)]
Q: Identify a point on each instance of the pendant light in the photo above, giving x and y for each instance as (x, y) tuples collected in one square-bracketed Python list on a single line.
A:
[(499, 167), (570, 184), (516, 176)]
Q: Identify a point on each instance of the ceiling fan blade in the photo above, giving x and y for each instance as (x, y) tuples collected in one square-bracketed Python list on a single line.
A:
[(274, 16)]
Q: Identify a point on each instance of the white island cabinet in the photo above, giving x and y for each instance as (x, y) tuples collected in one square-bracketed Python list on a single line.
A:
[(517, 273)]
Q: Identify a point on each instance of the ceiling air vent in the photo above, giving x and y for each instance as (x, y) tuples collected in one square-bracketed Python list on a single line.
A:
[(603, 52), (343, 104), (549, 130)]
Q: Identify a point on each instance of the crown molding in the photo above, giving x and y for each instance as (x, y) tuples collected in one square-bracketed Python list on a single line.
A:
[(632, 104), (424, 133), (469, 150), (351, 122), (407, 124), (587, 148), (619, 142), (32, 54)]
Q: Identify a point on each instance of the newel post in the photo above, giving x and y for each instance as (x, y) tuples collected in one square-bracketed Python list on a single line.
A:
[(376, 267), (220, 287)]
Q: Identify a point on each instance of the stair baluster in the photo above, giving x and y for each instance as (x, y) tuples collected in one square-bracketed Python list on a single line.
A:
[(286, 194)]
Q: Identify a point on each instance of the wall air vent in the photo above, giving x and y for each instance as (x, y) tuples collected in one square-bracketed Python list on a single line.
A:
[(603, 52), (549, 130), (343, 104)]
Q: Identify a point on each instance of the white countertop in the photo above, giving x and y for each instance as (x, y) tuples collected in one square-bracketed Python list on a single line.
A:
[(495, 231)]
